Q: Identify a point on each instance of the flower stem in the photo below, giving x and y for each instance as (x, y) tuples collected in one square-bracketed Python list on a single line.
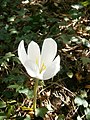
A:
[(35, 94)]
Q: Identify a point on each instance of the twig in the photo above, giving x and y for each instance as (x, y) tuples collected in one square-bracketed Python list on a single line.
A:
[(59, 86)]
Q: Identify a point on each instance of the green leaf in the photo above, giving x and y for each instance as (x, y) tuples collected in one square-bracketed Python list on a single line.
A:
[(61, 117), (27, 28), (12, 78), (2, 104), (79, 118), (8, 94), (27, 117), (27, 92), (79, 101), (87, 113), (4, 35), (10, 110), (13, 31), (85, 3), (22, 12), (70, 74), (52, 19), (86, 42), (65, 38), (75, 14), (8, 55), (1, 17), (2, 115), (85, 60), (41, 112), (13, 86), (11, 19), (83, 94)]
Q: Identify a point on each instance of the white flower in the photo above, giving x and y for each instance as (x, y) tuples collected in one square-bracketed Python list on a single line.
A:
[(42, 65)]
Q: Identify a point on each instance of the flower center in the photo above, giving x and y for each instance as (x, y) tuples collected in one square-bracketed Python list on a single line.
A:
[(42, 68), (37, 61)]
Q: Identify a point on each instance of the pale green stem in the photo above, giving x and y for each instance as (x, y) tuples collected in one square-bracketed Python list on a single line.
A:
[(35, 94)]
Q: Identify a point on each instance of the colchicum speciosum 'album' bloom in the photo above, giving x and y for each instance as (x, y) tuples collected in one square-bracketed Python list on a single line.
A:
[(42, 65)]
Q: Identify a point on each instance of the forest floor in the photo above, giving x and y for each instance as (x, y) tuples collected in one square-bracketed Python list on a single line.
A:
[(67, 95)]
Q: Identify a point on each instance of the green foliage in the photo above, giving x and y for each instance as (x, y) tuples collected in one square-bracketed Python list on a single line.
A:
[(27, 117), (2, 115), (87, 113), (85, 3), (27, 92), (2, 104), (61, 117), (79, 101), (41, 112), (85, 60)]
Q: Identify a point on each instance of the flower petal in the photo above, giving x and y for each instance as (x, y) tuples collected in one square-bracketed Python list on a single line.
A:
[(34, 52), (22, 53), (52, 70), (49, 50), (31, 68)]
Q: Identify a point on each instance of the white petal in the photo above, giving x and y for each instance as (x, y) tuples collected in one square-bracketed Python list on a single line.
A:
[(49, 50), (34, 52), (31, 68), (53, 69), (22, 53)]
